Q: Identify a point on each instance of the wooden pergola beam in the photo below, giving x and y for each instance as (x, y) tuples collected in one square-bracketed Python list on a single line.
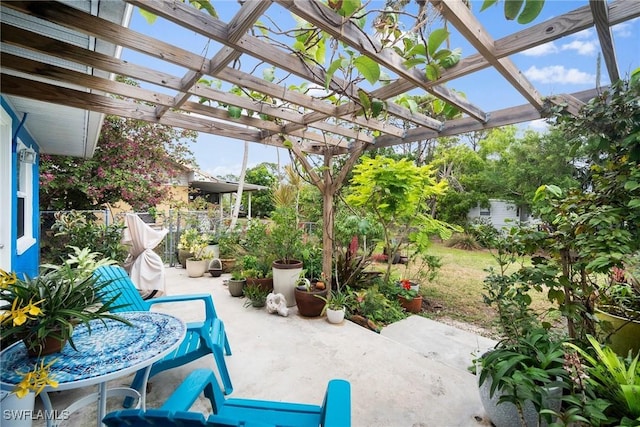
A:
[(600, 13), (461, 17), (346, 31), (249, 13), (208, 26)]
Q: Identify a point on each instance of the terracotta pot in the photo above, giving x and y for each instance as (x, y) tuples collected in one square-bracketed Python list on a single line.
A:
[(228, 264), (411, 306), (265, 283), (48, 345), (309, 305)]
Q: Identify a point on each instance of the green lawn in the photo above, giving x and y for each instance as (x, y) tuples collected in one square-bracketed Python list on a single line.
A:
[(456, 292)]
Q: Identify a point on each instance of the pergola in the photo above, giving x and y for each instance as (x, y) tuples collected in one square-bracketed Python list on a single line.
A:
[(299, 121)]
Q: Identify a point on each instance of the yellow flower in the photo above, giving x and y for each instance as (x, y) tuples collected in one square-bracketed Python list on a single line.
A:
[(21, 315), (36, 380), (7, 279)]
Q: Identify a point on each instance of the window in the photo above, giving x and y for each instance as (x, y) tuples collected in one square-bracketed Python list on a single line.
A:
[(485, 211), (24, 220)]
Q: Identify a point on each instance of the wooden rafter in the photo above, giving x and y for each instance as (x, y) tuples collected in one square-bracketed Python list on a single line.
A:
[(313, 124), (461, 17), (600, 13)]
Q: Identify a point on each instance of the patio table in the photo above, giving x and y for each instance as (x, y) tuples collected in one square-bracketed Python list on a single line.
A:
[(110, 350)]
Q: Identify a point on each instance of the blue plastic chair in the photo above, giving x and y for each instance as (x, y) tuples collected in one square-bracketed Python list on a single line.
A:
[(202, 338), (334, 412)]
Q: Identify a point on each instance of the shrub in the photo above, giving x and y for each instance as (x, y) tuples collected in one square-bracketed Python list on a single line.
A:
[(463, 241), (83, 230)]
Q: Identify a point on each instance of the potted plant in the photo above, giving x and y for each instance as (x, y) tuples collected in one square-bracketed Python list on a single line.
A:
[(618, 308), (257, 271), (286, 245), (236, 283), (335, 306), (42, 311), (228, 245), (408, 296), (186, 240), (520, 379), (256, 295), (198, 263), (305, 297)]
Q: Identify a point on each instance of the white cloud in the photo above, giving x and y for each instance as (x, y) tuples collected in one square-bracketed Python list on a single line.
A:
[(587, 48), (543, 49), (539, 125), (623, 29), (558, 74)]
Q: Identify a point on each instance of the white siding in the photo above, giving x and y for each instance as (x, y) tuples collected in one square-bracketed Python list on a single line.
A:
[(500, 213)]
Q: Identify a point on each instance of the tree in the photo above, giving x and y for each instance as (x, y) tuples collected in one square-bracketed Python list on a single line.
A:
[(396, 193), (261, 201), (133, 162)]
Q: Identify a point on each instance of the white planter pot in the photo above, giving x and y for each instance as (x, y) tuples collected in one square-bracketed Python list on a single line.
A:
[(285, 277), (335, 316), (197, 268), (16, 412)]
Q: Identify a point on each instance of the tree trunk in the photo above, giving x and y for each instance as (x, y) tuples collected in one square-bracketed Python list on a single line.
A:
[(236, 207)]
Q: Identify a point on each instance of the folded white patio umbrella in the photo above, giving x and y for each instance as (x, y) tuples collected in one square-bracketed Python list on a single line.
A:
[(145, 267)]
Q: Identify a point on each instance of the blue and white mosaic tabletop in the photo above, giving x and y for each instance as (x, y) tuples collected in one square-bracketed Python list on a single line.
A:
[(109, 349)]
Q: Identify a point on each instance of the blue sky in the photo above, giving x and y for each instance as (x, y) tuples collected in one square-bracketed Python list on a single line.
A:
[(563, 66)]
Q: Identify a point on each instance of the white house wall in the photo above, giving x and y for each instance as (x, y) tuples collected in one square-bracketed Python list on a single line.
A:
[(500, 213)]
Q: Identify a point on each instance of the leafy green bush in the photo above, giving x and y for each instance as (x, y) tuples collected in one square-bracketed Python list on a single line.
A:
[(83, 230)]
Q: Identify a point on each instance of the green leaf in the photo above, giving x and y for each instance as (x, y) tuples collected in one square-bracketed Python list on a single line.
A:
[(452, 59), (512, 8), (364, 99), (631, 185), (234, 112), (268, 74), (487, 3), (349, 7), (441, 54), (432, 71), (418, 49), (634, 204), (369, 68), (410, 63), (376, 108), (320, 51), (436, 38), (148, 16), (331, 71), (532, 9)]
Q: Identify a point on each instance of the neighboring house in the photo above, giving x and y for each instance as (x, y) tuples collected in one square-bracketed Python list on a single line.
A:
[(501, 213), (29, 128)]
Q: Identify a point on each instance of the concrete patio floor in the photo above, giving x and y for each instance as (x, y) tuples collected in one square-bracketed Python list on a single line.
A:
[(412, 374)]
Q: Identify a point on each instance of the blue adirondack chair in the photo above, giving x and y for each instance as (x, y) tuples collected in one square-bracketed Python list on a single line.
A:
[(203, 338), (334, 412)]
